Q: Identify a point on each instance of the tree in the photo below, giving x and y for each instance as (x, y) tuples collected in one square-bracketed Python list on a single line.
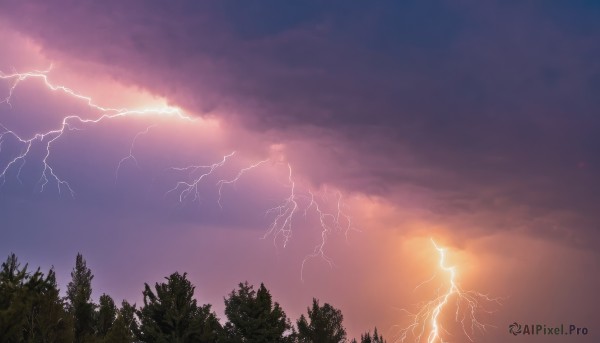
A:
[(12, 307), (79, 292), (172, 314), (253, 317), (376, 338), (51, 322), (107, 313), (123, 328), (325, 325), (30, 307)]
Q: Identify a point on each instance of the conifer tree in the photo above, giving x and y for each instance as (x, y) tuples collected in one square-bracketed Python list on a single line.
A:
[(367, 338), (254, 317), (325, 325), (79, 292), (124, 326), (171, 314), (107, 313), (30, 307)]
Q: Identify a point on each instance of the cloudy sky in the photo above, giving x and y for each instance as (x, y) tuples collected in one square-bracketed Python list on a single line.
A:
[(393, 123)]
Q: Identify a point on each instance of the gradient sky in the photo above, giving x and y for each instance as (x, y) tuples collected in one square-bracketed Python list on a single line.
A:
[(476, 124)]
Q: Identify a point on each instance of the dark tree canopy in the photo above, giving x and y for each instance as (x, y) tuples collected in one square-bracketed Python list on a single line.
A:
[(172, 314), (123, 328), (79, 293), (107, 313), (30, 307), (325, 325), (31, 310), (367, 338), (254, 317)]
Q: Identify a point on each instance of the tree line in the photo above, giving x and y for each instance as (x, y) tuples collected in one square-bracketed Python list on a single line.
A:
[(32, 310)]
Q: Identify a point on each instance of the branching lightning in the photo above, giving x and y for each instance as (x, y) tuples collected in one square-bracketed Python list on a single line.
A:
[(427, 322), (243, 171), (190, 188), (131, 156), (19, 161), (68, 123), (283, 215)]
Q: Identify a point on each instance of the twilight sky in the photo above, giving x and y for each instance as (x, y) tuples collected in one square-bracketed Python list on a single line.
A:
[(476, 124)]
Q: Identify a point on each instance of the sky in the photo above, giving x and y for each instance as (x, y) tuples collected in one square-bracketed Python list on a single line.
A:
[(360, 132)]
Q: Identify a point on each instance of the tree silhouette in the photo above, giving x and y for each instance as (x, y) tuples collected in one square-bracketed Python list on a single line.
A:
[(254, 317), (79, 292), (367, 338), (31, 310), (325, 325), (172, 314), (107, 313), (124, 326), (30, 307)]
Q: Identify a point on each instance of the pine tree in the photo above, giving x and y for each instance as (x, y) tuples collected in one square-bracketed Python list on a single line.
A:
[(325, 325), (367, 338), (124, 326), (172, 314), (128, 312), (79, 292), (51, 322), (12, 308), (30, 307), (107, 313), (254, 317)]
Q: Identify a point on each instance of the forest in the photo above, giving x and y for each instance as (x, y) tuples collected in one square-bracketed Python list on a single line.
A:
[(33, 310)]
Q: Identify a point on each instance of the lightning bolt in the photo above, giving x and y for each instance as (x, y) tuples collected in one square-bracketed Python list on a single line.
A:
[(426, 322), (131, 156), (284, 214), (19, 161), (190, 188), (282, 224), (291, 206), (243, 171), (68, 123), (108, 112)]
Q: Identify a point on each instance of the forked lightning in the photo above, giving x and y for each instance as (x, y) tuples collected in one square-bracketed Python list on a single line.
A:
[(427, 323), (284, 214)]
